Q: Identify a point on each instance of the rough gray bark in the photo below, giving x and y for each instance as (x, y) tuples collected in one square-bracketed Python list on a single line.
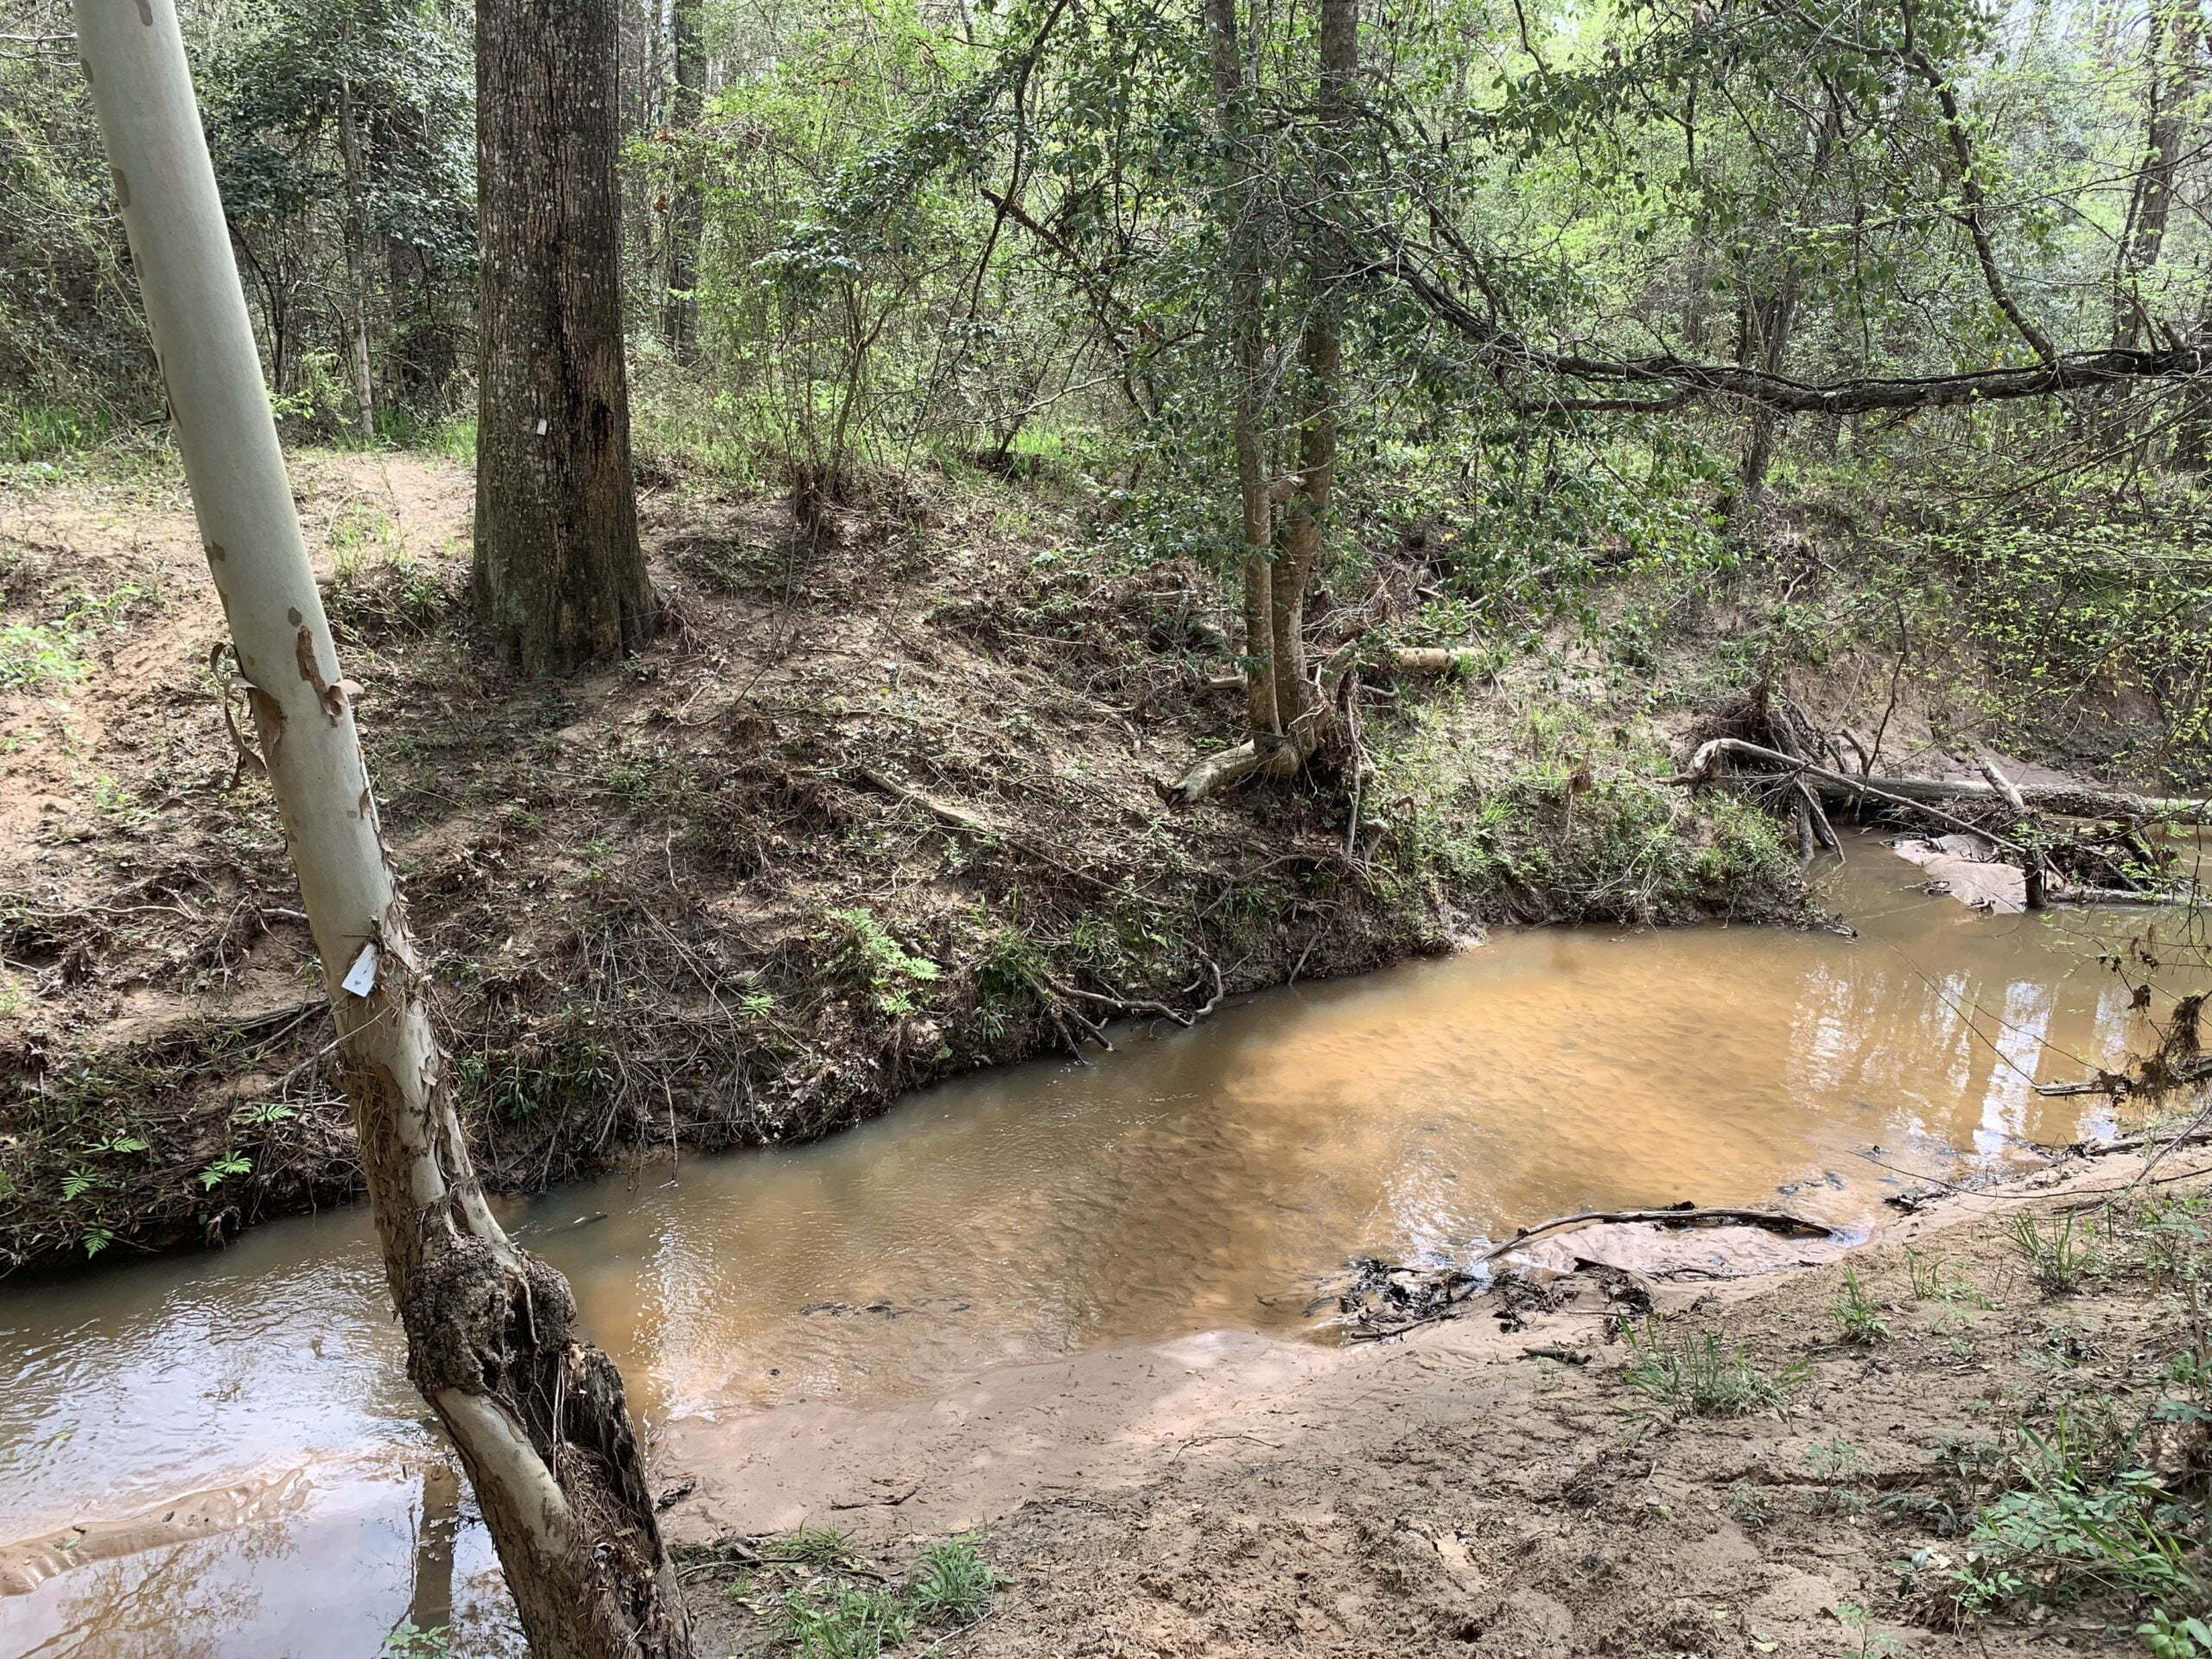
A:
[(537, 1413), (559, 579)]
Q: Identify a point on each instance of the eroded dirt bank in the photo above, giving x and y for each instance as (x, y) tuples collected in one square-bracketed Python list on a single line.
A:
[(880, 807), (1874, 1456)]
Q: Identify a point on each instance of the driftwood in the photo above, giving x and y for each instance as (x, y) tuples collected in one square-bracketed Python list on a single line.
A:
[(1835, 784), (2117, 1083), (1774, 1220), (2184, 1137), (1213, 773)]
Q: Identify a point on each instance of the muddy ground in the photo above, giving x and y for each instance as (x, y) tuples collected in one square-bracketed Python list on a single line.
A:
[(1881, 1455), (878, 807)]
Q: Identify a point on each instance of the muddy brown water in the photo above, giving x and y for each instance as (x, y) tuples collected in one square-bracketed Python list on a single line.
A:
[(220, 1454)]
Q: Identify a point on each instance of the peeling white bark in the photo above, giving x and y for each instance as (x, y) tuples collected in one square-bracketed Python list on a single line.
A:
[(537, 1417)]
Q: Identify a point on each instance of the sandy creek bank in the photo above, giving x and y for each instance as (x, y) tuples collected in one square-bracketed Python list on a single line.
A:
[(1451, 1493)]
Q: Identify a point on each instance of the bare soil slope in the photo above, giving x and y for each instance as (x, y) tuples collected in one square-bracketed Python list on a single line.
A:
[(882, 804)]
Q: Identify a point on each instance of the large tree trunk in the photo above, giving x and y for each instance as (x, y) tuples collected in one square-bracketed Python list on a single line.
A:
[(686, 208), (560, 581), (537, 1413), (1321, 365), (1233, 114)]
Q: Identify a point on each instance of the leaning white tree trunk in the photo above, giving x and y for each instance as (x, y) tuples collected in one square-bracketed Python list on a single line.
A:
[(537, 1414)]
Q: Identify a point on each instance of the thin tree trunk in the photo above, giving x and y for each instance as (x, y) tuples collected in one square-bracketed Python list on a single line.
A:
[(686, 208), (1321, 362), (1961, 174), (356, 262), (2176, 40), (1697, 276), (1232, 106), (1764, 343), (537, 1413), (560, 579)]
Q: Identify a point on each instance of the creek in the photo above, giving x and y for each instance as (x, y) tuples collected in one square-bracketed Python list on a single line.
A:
[(220, 1454)]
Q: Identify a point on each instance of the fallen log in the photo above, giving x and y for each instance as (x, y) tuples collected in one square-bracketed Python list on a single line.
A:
[(2061, 800), (2117, 1083), (1214, 773)]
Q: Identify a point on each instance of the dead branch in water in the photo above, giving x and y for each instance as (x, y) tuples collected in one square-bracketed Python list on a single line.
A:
[(1834, 784), (1921, 794)]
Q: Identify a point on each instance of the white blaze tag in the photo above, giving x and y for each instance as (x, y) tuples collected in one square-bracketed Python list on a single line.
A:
[(361, 977)]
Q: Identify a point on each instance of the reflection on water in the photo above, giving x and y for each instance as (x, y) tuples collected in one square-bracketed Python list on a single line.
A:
[(1195, 1179)]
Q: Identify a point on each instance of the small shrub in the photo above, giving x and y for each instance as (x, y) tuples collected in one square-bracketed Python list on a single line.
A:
[(2082, 1517), (895, 972), (1835, 1464), (2168, 1638), (1749, 1508)]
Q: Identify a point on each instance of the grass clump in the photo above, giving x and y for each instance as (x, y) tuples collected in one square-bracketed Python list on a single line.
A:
[(35, 656), (818, 1603), (819, 1547), (1858, 1314), (1696, 1374), (2056, 1259), (952, 1583), (845, 1621)]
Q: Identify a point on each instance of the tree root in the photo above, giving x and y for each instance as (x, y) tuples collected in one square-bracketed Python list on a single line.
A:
[(1218, 771)]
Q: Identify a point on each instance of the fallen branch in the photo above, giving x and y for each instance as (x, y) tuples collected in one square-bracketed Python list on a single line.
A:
[(2082, 895), (1213, 773), (2117, 1083)]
